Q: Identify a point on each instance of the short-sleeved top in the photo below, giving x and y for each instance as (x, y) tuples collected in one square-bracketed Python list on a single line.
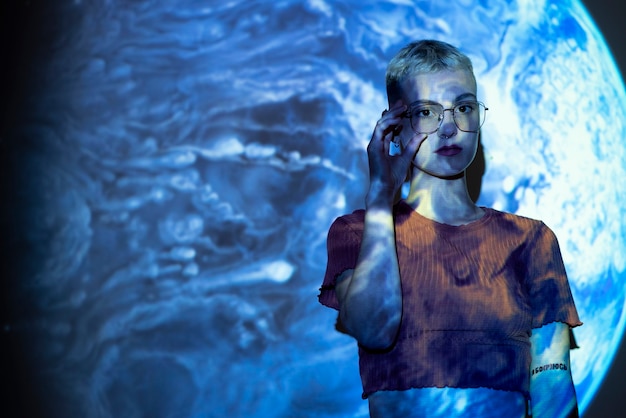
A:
[(471, 295)]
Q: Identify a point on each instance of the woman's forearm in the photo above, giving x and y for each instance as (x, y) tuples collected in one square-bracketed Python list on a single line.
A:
[(552, 390), (553, 396), (372, 304)]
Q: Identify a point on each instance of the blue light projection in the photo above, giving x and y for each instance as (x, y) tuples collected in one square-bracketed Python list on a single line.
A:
[(182, 162)]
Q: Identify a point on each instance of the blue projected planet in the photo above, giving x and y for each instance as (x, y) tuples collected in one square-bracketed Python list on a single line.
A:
[(185, 160)]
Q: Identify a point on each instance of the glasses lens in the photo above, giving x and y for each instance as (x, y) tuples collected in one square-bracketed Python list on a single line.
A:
[(469, 116), (425, 118)]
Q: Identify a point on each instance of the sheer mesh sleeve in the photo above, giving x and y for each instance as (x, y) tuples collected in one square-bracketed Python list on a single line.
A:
[(343, 243), (546, 281)]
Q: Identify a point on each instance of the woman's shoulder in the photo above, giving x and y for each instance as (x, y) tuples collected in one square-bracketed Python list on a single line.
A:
[(356, 217), (515, 225), (351, 224), (514, 218)]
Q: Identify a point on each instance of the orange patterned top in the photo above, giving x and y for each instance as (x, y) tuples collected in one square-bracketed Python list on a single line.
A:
[(471, 296)]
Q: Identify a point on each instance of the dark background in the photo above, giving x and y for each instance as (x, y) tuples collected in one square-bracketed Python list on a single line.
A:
[(20, 53)]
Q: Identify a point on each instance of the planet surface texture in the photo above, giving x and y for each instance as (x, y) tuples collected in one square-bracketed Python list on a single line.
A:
[(181, 162)]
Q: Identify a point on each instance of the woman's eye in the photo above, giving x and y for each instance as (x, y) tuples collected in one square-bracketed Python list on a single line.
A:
[(464, 108), (423, 113)]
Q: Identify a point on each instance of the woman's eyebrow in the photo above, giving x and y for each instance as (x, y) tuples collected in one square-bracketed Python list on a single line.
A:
[(465, 96), (459, 98), (423, 102)]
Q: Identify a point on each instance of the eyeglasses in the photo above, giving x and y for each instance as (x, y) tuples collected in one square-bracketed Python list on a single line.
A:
[(426, 118)]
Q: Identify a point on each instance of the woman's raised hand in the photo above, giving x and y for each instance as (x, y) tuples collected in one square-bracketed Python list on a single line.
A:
[(388, 172)]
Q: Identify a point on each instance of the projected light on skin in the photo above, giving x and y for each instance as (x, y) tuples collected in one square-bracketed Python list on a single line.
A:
[(194, 156)]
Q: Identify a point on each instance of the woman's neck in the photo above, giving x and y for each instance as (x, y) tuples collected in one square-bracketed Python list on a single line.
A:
[(442, 200)]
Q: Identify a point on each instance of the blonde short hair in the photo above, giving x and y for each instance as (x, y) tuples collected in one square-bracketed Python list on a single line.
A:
[(425, 56)]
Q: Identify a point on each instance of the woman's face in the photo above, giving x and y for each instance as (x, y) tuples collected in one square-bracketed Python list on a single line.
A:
[(448, 151)]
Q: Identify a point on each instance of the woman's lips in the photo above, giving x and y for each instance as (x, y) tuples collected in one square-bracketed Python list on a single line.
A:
[(449, 150)]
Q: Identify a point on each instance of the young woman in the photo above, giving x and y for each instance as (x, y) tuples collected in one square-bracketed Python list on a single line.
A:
[(455, 307)]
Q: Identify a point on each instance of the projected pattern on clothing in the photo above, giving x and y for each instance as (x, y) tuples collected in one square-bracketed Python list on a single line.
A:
[(471, 296)]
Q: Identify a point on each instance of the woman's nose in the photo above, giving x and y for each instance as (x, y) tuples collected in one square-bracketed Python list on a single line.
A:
[(448, 127)]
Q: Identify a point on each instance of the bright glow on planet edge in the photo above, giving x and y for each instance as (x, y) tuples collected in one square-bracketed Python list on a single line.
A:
[(185, 160)]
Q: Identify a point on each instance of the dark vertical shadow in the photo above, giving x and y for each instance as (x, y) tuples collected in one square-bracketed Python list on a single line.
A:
[(475, 172), (22, 41)]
